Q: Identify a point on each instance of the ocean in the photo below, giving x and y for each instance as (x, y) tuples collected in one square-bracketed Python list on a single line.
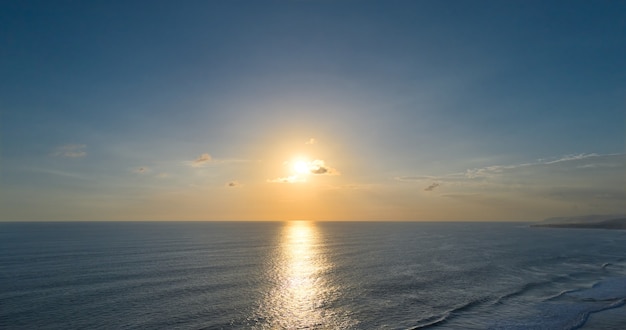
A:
[(309, 275)]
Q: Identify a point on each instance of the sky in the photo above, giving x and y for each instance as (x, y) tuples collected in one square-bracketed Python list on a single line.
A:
[(315, 110)]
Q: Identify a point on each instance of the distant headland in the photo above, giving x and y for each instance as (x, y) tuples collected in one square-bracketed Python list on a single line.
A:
[(613, 221)]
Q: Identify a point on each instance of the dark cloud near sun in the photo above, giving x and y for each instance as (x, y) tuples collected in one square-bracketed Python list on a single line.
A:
[(319, 170), (319, 167)]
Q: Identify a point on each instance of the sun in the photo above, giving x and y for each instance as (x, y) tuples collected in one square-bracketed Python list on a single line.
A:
[(300, 167)]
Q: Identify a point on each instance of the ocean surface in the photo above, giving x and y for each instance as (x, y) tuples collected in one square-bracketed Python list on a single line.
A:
[(308, 275)]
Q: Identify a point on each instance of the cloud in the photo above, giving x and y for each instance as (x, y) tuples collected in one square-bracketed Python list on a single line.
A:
[(319, 170), (201, 160), (71, 151), (233, 184), (162, 175), (311, 141), (432, 186), (319, 167), (141, 170)]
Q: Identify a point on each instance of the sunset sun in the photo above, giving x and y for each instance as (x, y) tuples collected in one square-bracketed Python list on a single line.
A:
[(300, 167)]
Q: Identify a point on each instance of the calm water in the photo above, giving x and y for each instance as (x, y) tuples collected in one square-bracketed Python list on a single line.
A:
[(307, 275)]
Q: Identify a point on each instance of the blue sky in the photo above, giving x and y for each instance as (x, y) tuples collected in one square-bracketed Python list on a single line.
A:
[(422, 110)]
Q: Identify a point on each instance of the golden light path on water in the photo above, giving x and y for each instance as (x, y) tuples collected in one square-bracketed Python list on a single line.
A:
[(302, 295)]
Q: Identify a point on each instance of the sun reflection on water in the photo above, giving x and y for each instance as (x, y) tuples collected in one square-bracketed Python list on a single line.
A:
[(302, 271), (301, 295)]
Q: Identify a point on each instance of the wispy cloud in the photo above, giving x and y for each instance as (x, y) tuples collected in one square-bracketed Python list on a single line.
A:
[(590, 181), (71, 151), (311, 141), (569, 163), (491, 171), (569, 158), (287, 179), (201, 160)]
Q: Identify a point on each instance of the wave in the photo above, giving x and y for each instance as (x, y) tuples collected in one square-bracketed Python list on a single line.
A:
[(448, 315), (561, 294), (523, 289), (585, 316), (568, 309), (431, 321), (594, 293)]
